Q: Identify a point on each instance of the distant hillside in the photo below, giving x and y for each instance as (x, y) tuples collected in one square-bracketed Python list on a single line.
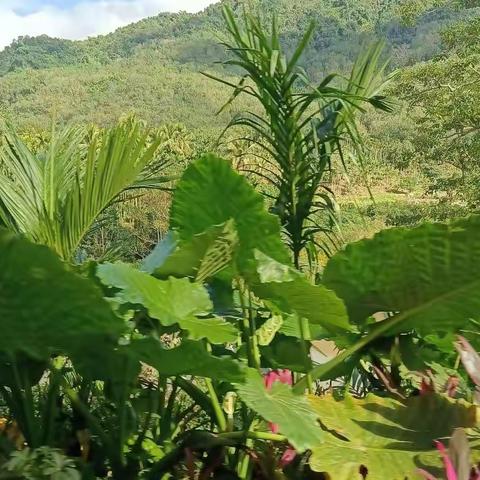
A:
[(151, 67), (193, 38)]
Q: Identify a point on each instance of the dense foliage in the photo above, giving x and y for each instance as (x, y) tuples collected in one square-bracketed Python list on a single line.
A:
[(222, 279), (156, 319)]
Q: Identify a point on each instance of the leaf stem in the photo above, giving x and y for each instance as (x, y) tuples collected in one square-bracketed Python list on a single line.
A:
[(305, 343), (273, 437), (24, 393), (91, 419), (217, 408), (249, 327)]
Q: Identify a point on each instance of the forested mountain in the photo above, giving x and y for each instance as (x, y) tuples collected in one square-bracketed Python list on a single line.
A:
[(342, 26), (152, 67)]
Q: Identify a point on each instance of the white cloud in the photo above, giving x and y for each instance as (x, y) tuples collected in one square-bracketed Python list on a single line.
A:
[(86, 18)]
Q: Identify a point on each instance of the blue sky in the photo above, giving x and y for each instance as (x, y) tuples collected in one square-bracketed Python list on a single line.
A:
[(31, 5), (77, 19)]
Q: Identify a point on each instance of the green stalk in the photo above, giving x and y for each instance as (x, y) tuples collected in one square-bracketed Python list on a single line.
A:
[(50, 410), (217, 408), (122, 412), (305, 333), (253, 332), (27, 405), (167, 414), (162, 389), (152, 402), (198, 396), (272, 437), (91, 419), (249, 329), (243, 458), (244, 465)]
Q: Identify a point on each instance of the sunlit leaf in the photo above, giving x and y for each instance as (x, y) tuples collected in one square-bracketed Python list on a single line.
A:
[(55, 196), (172, 301), (391, 439), (268, 330), (201, 202), (294, 415), (215, 330), (427, 275), (200, 257), (291, 292)]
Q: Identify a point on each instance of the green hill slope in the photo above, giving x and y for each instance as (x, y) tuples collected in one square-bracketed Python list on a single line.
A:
[(152, 67)]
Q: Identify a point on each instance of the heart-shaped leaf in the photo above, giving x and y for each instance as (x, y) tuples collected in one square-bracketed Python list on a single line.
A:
[(211, 193)]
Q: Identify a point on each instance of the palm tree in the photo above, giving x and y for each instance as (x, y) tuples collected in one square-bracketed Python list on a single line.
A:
[(303, 125), (55, 196)]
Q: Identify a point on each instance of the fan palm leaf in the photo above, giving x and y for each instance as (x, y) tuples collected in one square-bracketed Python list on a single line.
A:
[(55, 196)]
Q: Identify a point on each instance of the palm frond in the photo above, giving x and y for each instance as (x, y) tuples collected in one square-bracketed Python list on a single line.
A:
[(303, 126), (56, 195)]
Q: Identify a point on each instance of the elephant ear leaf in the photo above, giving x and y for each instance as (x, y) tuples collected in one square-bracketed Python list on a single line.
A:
[(200, 257), (200, 202), (427, 276), (388, 438), (172, 301), (45, 308)]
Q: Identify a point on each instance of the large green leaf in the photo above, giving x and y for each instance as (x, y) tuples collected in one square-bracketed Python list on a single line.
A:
[(201, 257), (215, 330), (172, 301), (190, 358), (291, 328), (292, 413), (211, 193), (429, 275), (291, 292), (45, 308), (390, 438), (111, 365)]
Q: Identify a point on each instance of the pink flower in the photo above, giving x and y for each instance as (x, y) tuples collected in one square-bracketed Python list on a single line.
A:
[(450, 472), (282, 376), (447, 463), (288, 457), (458, 439)]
